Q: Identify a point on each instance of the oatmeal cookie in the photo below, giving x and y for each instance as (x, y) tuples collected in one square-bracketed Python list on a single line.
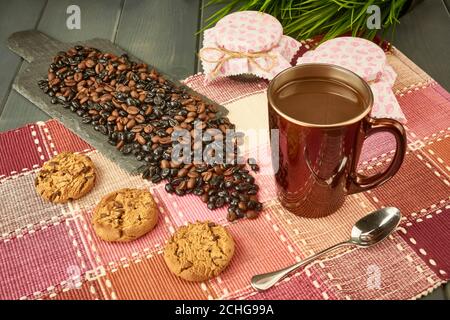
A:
[(125, 215), (199, 251), (67, 176)]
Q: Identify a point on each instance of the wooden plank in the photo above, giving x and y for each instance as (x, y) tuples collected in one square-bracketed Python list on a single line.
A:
[(423, 35), (14, 16), (24, 112), (98, 19), (206, 12), (161, 33)]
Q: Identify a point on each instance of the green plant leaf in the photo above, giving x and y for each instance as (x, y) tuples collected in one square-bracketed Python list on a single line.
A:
[(306, 18)]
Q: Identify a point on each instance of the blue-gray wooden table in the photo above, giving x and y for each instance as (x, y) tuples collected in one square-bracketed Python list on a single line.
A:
[(163, 33)]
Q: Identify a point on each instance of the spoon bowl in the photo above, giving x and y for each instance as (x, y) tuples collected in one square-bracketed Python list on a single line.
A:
[(375, 226)]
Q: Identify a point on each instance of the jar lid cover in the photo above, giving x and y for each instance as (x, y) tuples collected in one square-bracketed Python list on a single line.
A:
[(248, 31), (359, 55)]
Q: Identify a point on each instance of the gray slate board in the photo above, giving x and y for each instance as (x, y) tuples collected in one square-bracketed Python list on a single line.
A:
[(38, 49)]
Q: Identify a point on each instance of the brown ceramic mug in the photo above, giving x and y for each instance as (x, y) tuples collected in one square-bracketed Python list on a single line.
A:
[(322, 114)]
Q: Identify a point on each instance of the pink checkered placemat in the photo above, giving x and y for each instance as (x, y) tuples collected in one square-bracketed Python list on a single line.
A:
[(51, 252)]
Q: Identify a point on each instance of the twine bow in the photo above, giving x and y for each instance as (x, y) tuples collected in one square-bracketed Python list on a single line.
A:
[(228, 55)]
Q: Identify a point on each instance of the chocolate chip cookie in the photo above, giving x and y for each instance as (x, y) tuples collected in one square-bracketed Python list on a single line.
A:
[(199, 251), (125, 215), (67, 176)]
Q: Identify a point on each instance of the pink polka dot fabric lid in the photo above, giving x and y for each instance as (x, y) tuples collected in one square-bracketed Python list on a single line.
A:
[(246, 42), (367, 60), (359, 55), (248, 31)]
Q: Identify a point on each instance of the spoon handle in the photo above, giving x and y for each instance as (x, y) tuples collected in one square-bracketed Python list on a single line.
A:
[(266, 280)]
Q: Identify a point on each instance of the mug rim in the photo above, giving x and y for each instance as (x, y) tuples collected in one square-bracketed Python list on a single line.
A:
[(353, 120)]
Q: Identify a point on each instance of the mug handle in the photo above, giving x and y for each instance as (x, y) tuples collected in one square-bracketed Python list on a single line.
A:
[(359, 183)]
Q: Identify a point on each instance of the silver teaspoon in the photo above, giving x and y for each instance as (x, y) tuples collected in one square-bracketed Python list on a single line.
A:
[(366, 232)]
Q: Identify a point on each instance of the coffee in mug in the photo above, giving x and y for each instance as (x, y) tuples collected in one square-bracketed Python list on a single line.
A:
[(322, 114)]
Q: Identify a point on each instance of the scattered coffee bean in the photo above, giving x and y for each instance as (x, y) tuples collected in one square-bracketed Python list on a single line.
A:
[(251, 214)]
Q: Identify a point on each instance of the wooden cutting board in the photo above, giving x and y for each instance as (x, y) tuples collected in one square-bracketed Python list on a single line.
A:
[(39, 49)]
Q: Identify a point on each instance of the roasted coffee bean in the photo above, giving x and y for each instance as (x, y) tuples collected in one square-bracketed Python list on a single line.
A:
[(180, 192), (173, 172), (86, 119), (201, 168), (249, 179), (154, 170), (193, 174), (191, 183), (165, 164), (231, 216), (138, 111), (182, 185), (219, 202), (205, 197), (165, 140), (176, 181), (121, 67), (207, 176), (114, 136), (130, 124), (146, 147), (103, 129), (135, 128), (146, 174), (239, 213), (242, 205), (165, 173), (89, 63), (243, 197), (156, 178), (251, 204), (234, 201), (228, 184), (169, 188), (133, 110), (222, 193), (198, 191), (244, 186), (140, 139), (212, 198), (127, 149), (251, 214), (182, 172), (139, 156), (128, 136)]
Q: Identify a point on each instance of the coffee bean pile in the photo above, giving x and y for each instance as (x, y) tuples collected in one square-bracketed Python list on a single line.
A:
[(139, 111)]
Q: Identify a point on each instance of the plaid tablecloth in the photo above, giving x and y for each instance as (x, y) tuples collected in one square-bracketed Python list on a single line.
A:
[(51, 251)]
